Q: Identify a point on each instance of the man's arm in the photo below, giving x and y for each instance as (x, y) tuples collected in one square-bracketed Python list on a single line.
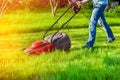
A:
[(79, 3), (72, 2)]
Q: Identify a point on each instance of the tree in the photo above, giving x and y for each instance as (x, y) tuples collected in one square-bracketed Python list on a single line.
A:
[(7, 4), (55, 3)]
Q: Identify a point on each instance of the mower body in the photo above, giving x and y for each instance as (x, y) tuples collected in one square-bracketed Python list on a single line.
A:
[(39, 47)]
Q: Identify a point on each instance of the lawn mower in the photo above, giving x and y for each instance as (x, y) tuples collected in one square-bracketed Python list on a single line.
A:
[(58, 40)]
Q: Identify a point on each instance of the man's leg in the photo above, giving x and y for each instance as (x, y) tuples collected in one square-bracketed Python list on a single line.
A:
[(108, 31), (93, 22)]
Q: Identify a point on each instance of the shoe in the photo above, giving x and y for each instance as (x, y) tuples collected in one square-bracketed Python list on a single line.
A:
[(110, 41), (86, 47)]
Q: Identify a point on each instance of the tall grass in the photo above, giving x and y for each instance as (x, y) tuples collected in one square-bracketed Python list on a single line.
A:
[(98, 63)]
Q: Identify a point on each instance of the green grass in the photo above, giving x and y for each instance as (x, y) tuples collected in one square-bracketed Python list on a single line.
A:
[(36, 21), (99, 63)]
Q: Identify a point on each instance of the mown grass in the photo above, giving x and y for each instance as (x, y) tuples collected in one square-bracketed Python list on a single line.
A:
[(36, 21), (98, 63)]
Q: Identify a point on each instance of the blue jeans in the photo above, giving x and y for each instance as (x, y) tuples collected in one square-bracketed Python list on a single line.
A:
[(98, 16)]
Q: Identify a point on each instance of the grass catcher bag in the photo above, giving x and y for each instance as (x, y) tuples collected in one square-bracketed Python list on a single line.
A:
[(60, 40)]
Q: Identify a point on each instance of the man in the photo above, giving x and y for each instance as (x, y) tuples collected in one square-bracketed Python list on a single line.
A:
[(97, 16)]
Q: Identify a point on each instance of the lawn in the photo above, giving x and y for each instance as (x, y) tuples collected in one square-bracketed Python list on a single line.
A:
[(20, 28)]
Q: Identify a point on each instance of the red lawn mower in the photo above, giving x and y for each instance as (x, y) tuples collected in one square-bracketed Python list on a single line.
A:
[(58, 40)]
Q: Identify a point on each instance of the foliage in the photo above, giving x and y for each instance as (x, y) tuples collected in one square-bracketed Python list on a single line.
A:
[(115, 11), (36, 4), (5, 5), (114, 0), (88, 6)]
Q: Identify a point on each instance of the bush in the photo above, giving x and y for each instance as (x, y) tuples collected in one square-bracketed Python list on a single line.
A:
[(115, 11)]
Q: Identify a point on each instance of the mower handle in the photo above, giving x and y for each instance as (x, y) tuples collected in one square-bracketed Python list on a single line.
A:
[(56, 21), (76, 10)]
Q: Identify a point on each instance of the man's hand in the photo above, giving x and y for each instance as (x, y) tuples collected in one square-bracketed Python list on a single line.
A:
[(72, 2), (79, 3), (75, 2), (76, 9), (76, 5)]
